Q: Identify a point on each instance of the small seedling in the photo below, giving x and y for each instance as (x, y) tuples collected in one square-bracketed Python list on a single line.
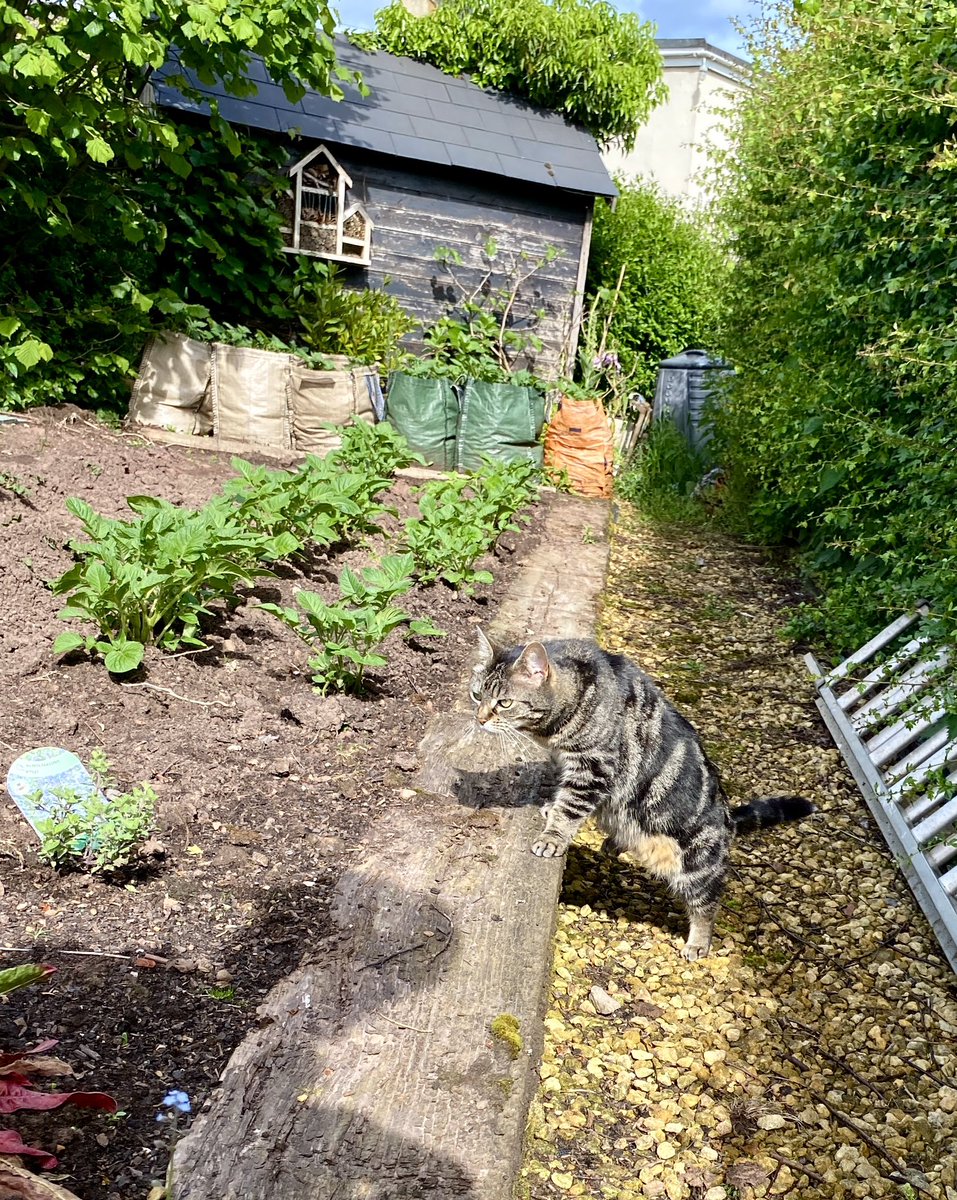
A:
[(10, 483), (93, 832), (222, 993)]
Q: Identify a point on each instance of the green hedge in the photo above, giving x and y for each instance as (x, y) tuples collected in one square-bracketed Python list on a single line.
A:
[(673, 284), (842, 303)]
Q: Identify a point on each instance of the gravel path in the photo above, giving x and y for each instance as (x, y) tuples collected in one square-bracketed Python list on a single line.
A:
[(814, 1053)]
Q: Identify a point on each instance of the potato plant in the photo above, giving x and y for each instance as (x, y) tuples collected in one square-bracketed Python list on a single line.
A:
[(345, 637), (149, 580), (461, 518), (379, 449), (320, 504)]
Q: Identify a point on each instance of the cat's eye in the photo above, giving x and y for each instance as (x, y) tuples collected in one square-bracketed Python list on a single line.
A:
[(476, 698), (503, 703)]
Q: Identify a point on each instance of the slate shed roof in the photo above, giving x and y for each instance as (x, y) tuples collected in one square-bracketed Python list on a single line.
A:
[(415, 112)]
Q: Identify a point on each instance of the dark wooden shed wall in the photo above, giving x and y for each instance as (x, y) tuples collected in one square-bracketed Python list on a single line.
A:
[(417, 213)]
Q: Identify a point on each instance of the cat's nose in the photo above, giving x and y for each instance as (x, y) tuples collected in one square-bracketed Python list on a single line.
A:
[(484, 713)]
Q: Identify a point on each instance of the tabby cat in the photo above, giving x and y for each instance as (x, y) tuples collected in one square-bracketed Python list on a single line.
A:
[(622, 752)]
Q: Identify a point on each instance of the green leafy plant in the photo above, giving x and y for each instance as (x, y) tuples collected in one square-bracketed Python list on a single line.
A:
[(84, 154), (601, 375), (364, 324), (203, 328), (100, 833), (444, 539), (583, 58), (10, 483), (346, 636), (488, 328), (500, 491), (150, 580), (12, 978), (379, 449), (325, 502), (662, 475), (356, 496), (224, 992), (292, 505), (462, 516), (840, 429), (670, 297)]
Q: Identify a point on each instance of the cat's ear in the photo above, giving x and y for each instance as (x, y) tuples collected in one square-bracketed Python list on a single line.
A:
[(533, 663), (487, 650)]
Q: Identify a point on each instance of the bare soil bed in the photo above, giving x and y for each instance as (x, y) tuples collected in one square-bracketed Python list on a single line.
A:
[(265, 789)]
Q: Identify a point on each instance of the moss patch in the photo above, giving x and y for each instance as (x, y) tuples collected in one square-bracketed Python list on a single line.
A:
[(505, 1029)]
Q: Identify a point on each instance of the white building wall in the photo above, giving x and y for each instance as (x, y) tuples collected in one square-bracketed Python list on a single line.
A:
[(677, 146)]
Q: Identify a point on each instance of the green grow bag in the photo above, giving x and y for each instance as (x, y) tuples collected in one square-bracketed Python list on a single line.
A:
[(426, 413), (500, 421)]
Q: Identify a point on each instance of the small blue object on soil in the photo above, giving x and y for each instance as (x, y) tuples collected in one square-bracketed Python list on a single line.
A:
[(178, 1101)]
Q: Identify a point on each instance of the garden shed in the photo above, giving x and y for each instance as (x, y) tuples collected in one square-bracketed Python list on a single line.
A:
[(429, 162)]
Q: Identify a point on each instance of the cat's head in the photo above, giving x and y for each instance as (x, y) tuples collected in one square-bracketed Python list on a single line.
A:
[(511, 689)]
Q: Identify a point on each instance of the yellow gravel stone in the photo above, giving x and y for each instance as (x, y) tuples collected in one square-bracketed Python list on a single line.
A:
[(823, 984)]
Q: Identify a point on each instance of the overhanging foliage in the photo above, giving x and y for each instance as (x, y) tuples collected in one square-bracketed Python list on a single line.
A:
[(83, 156), (598, 67), (842, 306)]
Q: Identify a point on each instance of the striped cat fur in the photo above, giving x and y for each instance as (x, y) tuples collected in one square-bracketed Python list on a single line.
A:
[(623, 754)]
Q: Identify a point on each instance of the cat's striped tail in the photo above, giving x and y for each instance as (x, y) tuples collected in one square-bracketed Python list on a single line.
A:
[(770, 810)]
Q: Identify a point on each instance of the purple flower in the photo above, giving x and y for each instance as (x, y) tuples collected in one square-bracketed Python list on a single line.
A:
[(607, 362)]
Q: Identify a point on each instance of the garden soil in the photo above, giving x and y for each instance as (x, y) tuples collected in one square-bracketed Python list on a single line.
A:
[(265, 792)]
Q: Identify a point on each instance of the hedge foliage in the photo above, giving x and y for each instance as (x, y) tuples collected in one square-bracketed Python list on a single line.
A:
[(843, 304), (599, 67), (673, 287), (107, 204)]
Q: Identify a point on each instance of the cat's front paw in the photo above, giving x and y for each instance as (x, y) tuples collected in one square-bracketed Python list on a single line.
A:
[(548, 846), (692, 951)]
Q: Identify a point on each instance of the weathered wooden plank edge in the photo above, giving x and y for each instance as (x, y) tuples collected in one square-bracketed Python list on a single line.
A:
[(374, 1070), (211, 444)]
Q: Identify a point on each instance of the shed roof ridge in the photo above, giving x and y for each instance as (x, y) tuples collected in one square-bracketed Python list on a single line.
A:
[(524, 141)]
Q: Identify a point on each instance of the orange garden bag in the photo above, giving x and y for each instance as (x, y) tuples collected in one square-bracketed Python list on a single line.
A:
[(580, 439)]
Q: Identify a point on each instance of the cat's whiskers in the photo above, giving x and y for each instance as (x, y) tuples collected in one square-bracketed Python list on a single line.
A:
[(517, 741), (469, 735)]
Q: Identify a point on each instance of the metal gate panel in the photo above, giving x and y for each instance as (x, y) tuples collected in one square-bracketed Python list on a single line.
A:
[(883, 709)]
